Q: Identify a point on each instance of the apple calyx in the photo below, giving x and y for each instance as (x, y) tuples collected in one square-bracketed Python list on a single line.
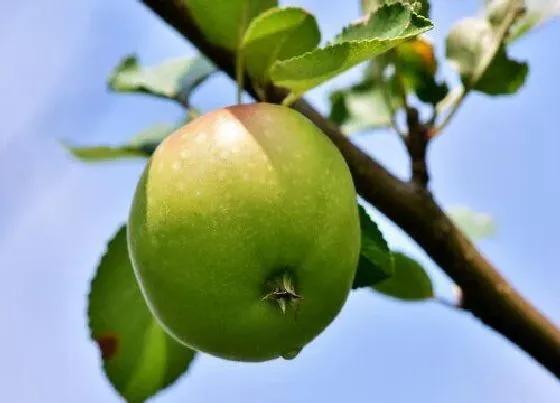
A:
[(282, 291)]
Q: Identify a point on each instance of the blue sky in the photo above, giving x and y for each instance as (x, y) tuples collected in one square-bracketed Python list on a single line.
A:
[(499, 156)]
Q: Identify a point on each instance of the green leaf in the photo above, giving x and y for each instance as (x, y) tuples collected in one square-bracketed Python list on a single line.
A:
[(278, 34), (387, 22), (223, 22), (474, 224), (174, 79), (104, 153), (422, 7), (468, 43), (416, 64), (504, 76), (428, 89), (139, 358), (375, 263), (363, 106), (141, 146), (409, 281), (385, 28)]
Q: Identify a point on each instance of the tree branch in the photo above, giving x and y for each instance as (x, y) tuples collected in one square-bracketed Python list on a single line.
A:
[(485, 292), (417, 146)]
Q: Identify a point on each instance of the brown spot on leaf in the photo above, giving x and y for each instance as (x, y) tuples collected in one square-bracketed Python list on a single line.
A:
[(108, 344)]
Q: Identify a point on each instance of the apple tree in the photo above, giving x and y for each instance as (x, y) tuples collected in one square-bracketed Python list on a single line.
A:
[(146, 283)]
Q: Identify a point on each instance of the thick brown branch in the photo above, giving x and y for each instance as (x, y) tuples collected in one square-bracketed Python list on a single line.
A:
[(486, 293)]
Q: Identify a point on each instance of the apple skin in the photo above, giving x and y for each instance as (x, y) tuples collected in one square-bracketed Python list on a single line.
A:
[(226, 203)]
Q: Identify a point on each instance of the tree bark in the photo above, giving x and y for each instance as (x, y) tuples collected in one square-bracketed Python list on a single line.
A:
[(486, 294)]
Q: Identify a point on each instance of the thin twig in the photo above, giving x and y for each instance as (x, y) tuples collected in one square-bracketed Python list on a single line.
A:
[(500, 35)]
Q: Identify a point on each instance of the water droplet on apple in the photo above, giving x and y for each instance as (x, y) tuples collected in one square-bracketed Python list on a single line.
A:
[(290, 355)]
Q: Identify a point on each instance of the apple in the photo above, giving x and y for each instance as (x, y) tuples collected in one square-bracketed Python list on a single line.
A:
[(244, 232)]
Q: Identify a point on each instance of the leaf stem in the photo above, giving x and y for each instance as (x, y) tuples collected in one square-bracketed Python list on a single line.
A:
[(290, 98), (192, 113), (239, 76), (239, 59), (379, 75)]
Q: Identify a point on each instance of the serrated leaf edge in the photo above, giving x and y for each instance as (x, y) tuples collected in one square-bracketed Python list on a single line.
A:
[(147, 69), (345, 43), (365, 19)]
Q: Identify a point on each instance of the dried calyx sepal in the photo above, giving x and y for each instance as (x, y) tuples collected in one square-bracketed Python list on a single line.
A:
[(282, 291)]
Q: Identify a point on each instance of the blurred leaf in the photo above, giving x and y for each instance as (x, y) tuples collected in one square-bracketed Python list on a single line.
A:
[(141, 146), (173, 79), (539, 12), (476, 225), (417, 54), (375, 263), (422, 7), (496, 10), (139, 358), (278, 34), (364, 106), (409, 281), (417, 65), (429, 90), (504, 76), (467, 44), (223, 22), (385, 28)]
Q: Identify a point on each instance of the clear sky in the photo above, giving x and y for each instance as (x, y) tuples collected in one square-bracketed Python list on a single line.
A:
[(499, 156)]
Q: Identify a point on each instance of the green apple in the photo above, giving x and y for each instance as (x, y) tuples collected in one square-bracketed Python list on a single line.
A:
[(244, 232)]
